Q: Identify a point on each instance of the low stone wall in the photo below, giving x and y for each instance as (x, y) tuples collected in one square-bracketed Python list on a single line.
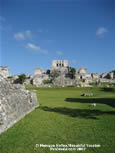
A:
[(15, 103)]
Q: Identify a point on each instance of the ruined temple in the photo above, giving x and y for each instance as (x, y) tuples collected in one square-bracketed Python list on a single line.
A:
[(63, 68), (4, 71), (56, 64)]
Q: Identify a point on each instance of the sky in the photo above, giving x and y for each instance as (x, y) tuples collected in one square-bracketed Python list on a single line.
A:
[(35, 32)]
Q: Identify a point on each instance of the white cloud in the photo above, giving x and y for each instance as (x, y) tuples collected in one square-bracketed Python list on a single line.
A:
[(36, 48), (101, 31), (23, 35), (59, 53), (19, 36), (33, 47)]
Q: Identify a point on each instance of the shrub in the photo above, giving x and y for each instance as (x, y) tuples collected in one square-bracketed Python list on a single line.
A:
[(72, 72), (54, 74), (47, 81), (9, 77), (21, 79), (113, 73)]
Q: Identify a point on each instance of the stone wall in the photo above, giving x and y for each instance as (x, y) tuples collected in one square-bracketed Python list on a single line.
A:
[(15, 103), (57, 64), (95, 76), (4, 71), (61, 80), (39, 71), (82, 70), (37, 80)]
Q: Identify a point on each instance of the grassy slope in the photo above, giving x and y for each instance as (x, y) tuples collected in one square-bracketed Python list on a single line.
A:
[(65, 117)]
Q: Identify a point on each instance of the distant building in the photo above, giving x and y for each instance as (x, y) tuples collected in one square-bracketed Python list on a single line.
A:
[(65, 75), (4, 71), (57, 64), (82, 70), (39, 71)]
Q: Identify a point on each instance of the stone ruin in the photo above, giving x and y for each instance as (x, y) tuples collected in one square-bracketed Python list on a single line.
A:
[(62, 67), (4, 71), (59, 64), (15, 103)]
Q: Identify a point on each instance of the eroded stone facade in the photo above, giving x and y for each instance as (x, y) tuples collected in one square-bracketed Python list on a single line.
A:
[(64, 78), (4, 71), (15, 103), (57, 64)]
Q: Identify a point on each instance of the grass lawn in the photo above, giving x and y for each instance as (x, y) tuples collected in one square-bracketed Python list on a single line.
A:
[(65, 117)]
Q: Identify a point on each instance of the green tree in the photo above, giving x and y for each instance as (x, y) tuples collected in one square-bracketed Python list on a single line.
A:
[(21, 78), (47, 81), (72, 72), (54, 74), (113, 73)]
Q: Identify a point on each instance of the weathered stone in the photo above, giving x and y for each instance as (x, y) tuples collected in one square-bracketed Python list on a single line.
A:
[(39, 71), (38, 79), (57, 64), (65, 75), (4, 71), (111, 75), (104, 75), (95, 76), (15, 103), (83, 70), (88, 94)]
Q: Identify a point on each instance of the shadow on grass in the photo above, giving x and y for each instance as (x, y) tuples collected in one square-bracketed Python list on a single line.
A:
[(81, 113), (108, 89), (107, 101)]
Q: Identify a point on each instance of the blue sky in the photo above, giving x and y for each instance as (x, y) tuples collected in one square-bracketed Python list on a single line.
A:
[(34, 32)]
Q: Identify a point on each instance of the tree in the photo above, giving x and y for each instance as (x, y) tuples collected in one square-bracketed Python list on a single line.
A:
[(47, 81), (113, 73), (54, 74), (21, 78), (72, 72)]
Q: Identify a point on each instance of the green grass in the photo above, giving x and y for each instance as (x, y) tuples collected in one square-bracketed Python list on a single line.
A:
[(65, 117), (103, 84)]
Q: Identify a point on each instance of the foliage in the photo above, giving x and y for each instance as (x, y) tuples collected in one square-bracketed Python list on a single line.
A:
[(72, 72), (114, 73), (54, 74), (21, 79), (9, 77), (47, 81), (108, 89), (103, 84)]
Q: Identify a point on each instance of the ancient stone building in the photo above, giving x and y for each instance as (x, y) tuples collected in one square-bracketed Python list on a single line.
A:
[(95, 76), (64, 71), (82, 70), (39, 71), (39, 76), (57, 64), (4, 71), (15, 103), (111, 75)]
